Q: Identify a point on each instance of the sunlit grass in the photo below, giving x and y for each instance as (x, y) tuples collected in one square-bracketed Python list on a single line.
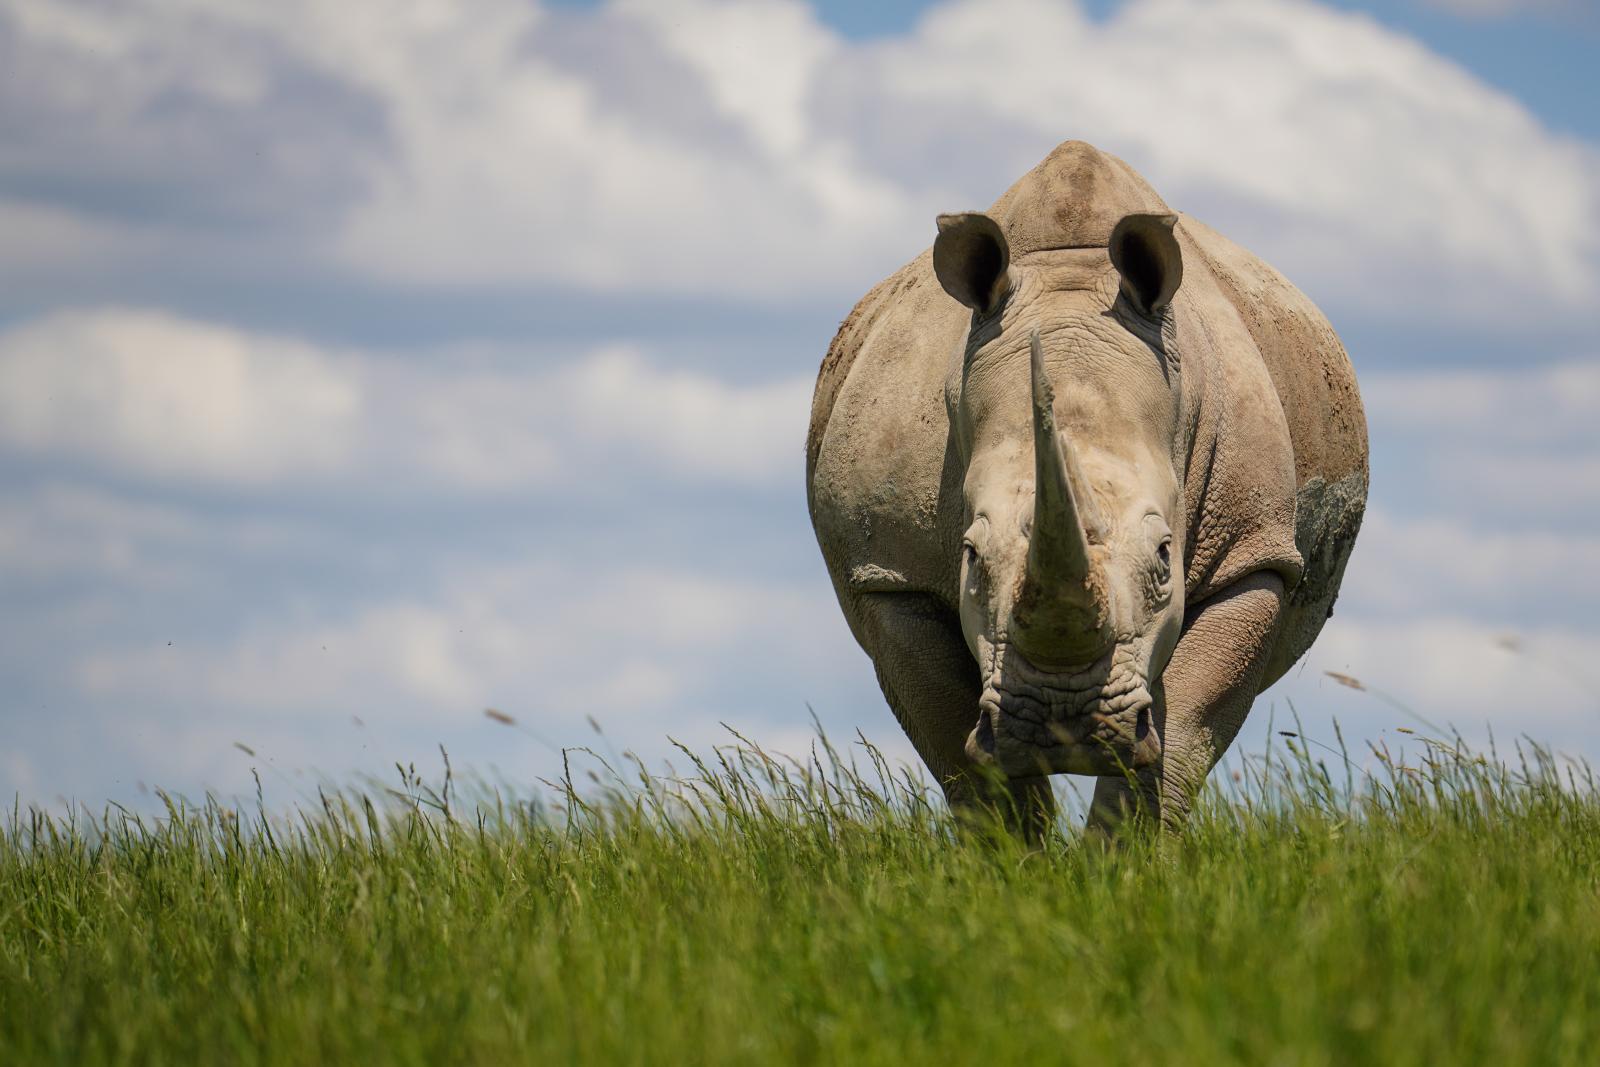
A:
[(758, 910)]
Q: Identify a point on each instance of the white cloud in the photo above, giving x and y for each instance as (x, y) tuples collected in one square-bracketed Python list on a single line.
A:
[(1451, 669), (647, 651), (610, 413), (694, 423), (148, 391), (1526, 485), (745, 149), (156, 395), (1349, 154), (1520, 444), (1526, 404), (505, 165), (759, 60), (61, 533), (1407, 564), (152, 637)]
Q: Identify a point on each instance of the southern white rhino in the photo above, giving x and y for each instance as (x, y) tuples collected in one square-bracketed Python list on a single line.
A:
[(1086, 475)]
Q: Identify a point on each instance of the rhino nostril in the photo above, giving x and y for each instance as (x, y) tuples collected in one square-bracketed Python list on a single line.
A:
[(1146, 745), (980, 743)]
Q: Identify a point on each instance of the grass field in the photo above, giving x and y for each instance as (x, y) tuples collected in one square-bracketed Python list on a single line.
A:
[(760, 912)]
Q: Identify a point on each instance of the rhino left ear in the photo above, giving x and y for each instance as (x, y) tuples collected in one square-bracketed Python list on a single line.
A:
[(1145, 252), (971, 260)]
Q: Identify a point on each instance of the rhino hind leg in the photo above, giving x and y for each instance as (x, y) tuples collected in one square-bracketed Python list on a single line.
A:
[(1219, 666), (931, 682)]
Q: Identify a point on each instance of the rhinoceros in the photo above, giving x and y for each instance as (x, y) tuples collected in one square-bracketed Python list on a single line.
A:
[(1085, 475)]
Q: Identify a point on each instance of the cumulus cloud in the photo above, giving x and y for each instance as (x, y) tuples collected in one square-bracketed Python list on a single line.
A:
[(145, 390), (561, 641), (1546, 403), (1467, 597), (511, 168), (500, 162), (1406, 564), (695, 423), (1518, 443), (144, 638), (58, 534), (1349, 154), (1452, 669), (188, 115), (746, 150), (648, 651), (157, 395)]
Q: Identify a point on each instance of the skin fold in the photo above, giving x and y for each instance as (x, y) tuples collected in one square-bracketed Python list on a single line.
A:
[(1085, 476)]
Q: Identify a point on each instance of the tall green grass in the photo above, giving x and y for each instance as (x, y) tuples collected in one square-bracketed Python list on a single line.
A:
[(823, 911)]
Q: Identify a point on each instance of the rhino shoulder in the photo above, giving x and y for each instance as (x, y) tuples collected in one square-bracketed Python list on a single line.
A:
[(847, 343), (880, 479), (1239, 481)]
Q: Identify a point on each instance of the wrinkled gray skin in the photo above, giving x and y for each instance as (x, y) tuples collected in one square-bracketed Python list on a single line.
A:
[(1086, 476)]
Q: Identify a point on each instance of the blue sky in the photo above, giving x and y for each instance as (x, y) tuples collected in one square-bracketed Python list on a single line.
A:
[(362, 368)]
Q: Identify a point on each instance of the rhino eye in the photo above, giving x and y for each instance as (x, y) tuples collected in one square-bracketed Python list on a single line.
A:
[(969, 554), (1164, 560)]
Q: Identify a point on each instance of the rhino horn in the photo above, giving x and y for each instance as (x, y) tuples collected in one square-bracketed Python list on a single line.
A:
[(1062, 615)]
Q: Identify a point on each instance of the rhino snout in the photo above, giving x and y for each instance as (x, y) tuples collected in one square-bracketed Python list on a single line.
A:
[(1099, 721)]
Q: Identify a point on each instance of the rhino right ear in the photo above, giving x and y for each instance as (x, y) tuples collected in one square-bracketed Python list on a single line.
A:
[(971, 259), (1145, 252)]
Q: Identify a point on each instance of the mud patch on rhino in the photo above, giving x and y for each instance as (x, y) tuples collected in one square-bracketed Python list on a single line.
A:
[(1327, 517)]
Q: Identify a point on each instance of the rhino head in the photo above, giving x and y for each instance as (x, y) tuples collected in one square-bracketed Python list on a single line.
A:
[(1065, 400)]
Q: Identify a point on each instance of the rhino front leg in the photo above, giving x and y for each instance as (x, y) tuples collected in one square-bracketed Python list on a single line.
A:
[(931, 682), (1214, 675)]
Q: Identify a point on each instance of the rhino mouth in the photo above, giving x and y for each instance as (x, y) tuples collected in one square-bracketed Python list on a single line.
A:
[(1094, 721)]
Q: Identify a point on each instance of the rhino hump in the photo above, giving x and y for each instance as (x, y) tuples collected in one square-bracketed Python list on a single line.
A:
[(1072, 199)]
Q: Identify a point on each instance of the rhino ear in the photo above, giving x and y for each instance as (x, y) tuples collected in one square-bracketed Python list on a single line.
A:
[(971, 258), (1145, 252)]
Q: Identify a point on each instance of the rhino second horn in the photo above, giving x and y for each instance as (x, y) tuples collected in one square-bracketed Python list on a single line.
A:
[(1061, 611)]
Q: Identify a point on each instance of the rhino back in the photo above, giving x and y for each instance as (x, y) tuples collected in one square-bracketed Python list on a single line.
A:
[(881, 478), (1309, 366), (1316, 386)]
